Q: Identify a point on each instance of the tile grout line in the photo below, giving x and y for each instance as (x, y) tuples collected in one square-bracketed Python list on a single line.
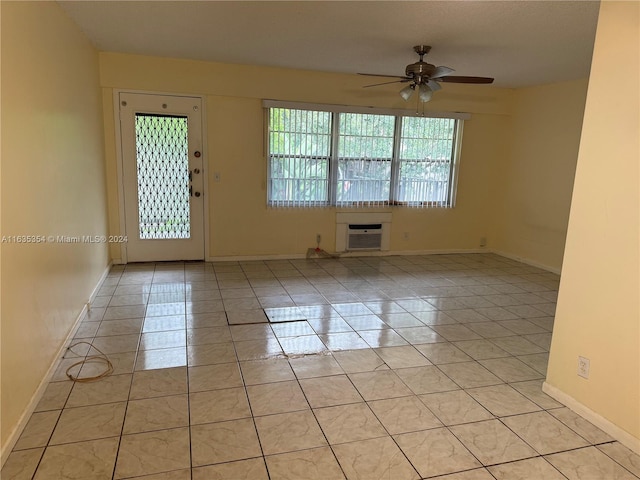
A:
[(393, 277)]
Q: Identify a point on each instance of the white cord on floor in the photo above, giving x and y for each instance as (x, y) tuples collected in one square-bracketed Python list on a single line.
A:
[(100, 358)]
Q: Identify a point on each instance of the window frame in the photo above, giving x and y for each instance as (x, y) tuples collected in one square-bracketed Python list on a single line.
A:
[(396, 161), (298, 203)]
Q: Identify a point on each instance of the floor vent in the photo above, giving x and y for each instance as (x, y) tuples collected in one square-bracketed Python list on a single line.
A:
[(364, 236)]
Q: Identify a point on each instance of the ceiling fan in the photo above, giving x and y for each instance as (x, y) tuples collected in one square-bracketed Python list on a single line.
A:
[(425, 77)]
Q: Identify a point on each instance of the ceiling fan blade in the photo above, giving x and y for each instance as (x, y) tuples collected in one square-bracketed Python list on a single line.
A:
[(386, 83), (458, 79), (379, 75), (440, 72)]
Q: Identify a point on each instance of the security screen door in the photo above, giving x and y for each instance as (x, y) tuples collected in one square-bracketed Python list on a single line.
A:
[(162, 177)]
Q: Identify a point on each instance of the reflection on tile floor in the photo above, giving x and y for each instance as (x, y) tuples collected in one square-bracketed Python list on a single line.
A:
[(361, 368)]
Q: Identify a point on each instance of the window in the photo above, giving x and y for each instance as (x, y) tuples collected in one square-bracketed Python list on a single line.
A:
[(426, 160), (346, 158), (299, 153), (365, 153)]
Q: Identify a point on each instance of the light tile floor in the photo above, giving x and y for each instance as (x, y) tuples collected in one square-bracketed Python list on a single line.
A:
[(370, 368)]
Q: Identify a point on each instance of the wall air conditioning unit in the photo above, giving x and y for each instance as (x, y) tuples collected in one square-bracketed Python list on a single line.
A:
[(363, 232), (367, 236)]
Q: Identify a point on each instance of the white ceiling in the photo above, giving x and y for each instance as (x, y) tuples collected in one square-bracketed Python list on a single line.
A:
[(519, 43)]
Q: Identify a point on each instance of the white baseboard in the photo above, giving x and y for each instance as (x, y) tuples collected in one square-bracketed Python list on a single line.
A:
[(104, 275), (527, 261), (249, 258), (447, 251), (389, 253), (38, 394), (598, 420), (377, 253)]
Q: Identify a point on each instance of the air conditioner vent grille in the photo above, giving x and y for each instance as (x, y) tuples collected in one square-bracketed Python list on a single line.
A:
[(365, 242), (364, 236)]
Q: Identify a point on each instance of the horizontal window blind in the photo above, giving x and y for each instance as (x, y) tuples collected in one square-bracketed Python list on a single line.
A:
[(299, 150), (365, 151), (320, 158), (425, 157)]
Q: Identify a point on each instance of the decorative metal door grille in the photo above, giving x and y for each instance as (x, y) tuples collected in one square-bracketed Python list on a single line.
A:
[(162, 156)]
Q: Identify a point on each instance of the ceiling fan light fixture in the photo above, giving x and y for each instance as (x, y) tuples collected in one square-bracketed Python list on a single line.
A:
[(425, 93), (426, 77), (407, 92)]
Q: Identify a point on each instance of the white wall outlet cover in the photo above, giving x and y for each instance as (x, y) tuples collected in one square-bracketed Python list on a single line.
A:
[(583, 367)]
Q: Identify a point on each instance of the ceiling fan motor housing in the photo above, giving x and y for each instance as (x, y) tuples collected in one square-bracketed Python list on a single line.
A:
[(420, 70)]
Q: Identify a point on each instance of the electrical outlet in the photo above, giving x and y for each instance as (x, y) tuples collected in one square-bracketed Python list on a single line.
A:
[(318, 238), (483, 241), (583, 367), (405, 236)]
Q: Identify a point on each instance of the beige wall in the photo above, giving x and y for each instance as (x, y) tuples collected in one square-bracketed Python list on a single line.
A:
[(240, 222), (53, 183), (537, 175), (57, 177), (598, 313), (518, 159)]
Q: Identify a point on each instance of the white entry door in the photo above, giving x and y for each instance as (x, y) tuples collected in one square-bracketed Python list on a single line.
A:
[(163, 177)]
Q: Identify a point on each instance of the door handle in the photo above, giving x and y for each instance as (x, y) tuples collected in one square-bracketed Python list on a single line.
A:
[(197, 194)]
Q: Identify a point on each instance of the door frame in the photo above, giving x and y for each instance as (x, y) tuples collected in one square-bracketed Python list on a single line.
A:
[(120, 166)]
